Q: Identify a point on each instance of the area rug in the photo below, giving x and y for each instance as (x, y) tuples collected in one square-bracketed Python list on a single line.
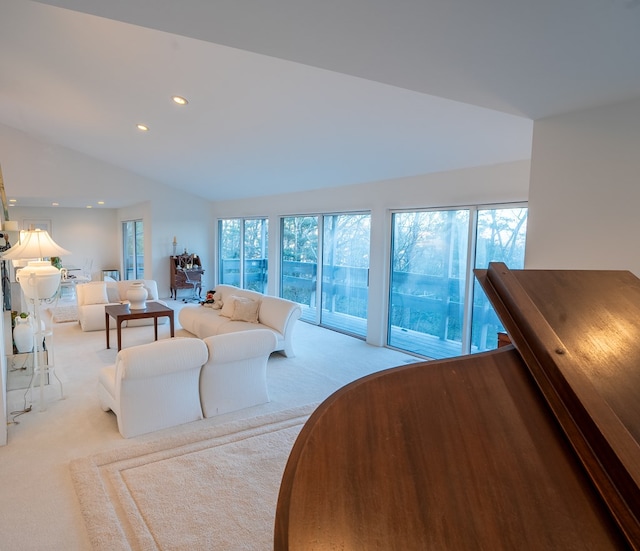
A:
[(213, 489), (63, 314)]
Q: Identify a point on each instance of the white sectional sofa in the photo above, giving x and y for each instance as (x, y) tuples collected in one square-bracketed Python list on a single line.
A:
[(174, 381), (263, 312), (92, 297)]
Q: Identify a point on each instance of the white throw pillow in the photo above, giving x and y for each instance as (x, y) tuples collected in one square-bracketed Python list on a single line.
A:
[(95, 293), (246, 309), (228, 306)]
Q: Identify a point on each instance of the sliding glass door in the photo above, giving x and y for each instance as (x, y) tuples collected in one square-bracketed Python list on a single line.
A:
[(328, 257), (299, 269), (500, 237), (345, 272), (256, 241), (133, 249), (436, 307), (243, 247), (429, 263)]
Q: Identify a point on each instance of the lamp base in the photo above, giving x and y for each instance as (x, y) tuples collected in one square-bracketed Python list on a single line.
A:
[(39, 279)]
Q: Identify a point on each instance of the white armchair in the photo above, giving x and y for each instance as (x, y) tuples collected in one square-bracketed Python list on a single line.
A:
[(154, 386), (235, 376)]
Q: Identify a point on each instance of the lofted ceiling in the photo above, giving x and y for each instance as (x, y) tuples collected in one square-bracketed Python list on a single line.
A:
[(292, 95)]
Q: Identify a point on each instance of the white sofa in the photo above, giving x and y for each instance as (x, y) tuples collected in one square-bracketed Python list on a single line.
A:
[(174, 381), (273, 313), (92, 297)]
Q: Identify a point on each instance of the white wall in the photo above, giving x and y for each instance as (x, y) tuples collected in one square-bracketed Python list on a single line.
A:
[(585, 190), (483, 185)]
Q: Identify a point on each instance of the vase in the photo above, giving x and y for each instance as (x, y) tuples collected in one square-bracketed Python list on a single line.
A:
[(137, 295), (23, 335)]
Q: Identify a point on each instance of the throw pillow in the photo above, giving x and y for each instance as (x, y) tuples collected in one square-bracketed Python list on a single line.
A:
[(95, 293), (228, 306), (246, 310)]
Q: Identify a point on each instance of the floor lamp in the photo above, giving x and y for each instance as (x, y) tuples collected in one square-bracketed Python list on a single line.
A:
[(39, 281)]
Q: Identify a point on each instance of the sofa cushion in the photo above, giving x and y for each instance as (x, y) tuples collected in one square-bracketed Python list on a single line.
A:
[(113, 294), (96, 293), (246, 309)]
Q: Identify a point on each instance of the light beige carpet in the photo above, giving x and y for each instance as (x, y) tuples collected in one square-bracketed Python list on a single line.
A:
[(214, 489)]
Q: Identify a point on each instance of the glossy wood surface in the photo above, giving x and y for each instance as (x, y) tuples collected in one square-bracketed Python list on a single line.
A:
[(579, 334), (181, 277), (527, 447)]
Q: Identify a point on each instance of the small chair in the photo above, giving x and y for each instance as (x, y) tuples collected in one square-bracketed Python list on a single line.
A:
[(154, 386), (196, 287)]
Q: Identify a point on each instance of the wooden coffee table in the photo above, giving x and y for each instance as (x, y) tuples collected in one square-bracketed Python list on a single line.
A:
[(122, 312)]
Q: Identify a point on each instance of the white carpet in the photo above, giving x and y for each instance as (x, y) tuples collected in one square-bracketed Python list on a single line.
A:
[(216, 489)]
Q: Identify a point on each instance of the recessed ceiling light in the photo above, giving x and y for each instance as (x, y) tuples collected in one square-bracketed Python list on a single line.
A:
[(54, 204), (12, 200), (142, 127), (89, 206), (179, 100), (100, 202)]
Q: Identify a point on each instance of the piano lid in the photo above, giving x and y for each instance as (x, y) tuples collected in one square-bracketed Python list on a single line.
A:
[(533, 446), (578, 331)]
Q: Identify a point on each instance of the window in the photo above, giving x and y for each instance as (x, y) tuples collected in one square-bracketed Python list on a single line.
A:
[(243, 247), (328, 257), (300, 263), (429, 265), (133, 249), (500, 237), (432, 260)]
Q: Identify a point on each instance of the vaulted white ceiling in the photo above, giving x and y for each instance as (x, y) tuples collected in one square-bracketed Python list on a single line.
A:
[(289, 95)]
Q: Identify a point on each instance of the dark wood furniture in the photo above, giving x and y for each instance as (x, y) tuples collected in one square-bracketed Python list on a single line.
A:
[(532, 446), (183, 276), (122, 312), (503, 340)]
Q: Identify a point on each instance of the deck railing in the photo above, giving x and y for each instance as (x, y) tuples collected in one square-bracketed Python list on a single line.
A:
[(420, 304)]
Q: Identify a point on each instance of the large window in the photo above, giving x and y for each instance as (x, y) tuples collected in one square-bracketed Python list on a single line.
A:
[(328, 257), (133, 249), (433, 256), (500, 237), (243, 246)]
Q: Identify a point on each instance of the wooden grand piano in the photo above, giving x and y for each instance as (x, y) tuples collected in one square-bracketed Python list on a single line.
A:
[(532, 446)]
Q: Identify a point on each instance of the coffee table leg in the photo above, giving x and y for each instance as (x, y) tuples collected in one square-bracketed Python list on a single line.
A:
[(119, 331), (155, 327), (171, 324), (106, 324)]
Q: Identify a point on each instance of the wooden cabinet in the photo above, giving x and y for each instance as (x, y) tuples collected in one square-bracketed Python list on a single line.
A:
[(186, 273)]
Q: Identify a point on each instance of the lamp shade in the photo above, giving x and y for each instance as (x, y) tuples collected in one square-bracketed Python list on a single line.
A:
[(39, 279), (35, 244)]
